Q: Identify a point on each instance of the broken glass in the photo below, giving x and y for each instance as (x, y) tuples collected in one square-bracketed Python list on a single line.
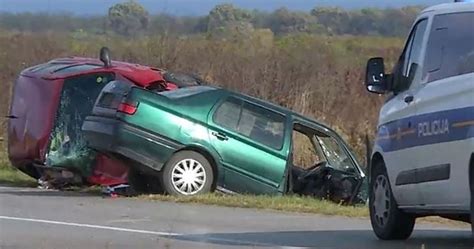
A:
[(67, 147)]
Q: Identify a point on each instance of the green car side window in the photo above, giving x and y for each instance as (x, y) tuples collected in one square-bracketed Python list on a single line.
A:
[(228, 113), (257, 123), (262, 125)]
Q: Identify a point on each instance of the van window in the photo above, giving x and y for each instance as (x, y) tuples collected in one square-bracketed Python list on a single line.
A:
[(411, 54), (450, 46), (416, 45)]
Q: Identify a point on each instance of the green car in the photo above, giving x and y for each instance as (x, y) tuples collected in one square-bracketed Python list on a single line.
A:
[(199, 139)]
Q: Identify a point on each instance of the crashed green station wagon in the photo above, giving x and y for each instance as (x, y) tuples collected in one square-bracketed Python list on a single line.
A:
[(200, 139)]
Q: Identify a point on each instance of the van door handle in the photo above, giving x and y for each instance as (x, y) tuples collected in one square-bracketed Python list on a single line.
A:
[(11, 117), (409, 99), (220, 136)]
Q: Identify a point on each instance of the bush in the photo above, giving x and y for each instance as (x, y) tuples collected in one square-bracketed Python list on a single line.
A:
[(318, 76)]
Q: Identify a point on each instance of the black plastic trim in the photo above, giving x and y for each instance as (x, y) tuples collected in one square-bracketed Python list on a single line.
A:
[(428, 174)]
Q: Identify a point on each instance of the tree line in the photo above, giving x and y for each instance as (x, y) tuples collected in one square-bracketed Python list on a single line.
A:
[(132, 19)]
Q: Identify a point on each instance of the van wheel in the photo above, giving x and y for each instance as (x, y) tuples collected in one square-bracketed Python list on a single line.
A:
[(471, 188), (187, 173), (388, 222), (472, 213)]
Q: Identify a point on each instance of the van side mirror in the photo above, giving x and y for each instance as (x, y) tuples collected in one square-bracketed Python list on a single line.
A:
[(375, 77)]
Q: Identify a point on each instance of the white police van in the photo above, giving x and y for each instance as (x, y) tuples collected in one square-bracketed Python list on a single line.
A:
[(422, 162)]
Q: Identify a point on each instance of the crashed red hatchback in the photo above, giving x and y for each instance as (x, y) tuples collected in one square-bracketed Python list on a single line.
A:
[(51, 100)]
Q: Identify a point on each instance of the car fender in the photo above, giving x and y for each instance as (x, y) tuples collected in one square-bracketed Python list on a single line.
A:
[(212, 156), (206, 149), (377, 154), (195, 136)]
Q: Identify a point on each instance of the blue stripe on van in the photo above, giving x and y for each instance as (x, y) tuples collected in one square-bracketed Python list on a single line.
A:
[(425, 129)]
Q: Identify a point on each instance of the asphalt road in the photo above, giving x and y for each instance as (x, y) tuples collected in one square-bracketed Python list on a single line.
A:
[(37, 219)]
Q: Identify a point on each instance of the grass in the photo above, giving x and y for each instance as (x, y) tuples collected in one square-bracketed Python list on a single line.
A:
[(12, 177), (278, 203), (295, 204)]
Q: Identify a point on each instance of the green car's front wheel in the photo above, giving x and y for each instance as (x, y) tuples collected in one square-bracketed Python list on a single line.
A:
[(187, 173)]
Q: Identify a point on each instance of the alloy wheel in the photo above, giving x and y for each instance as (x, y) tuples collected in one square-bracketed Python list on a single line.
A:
[(382, 198), (188, 176)]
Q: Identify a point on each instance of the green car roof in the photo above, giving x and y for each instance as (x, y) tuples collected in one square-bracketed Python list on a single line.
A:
[(221, 92)]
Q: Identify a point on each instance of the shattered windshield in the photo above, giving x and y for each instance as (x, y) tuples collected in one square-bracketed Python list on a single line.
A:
[(67, 146), (335, 154)]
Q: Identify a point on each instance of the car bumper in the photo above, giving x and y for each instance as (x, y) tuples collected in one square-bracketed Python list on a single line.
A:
[(118, 137)]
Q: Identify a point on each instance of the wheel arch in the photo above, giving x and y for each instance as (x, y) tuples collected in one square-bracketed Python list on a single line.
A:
[(471, 173), (209, 156), (375, 160)]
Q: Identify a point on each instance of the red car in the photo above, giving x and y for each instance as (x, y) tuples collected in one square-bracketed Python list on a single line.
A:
[(50, 102)]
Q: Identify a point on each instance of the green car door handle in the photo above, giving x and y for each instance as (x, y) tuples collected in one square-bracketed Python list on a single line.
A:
[(220, 136)]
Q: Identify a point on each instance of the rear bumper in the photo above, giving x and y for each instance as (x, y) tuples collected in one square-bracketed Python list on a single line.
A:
[(118, 137)]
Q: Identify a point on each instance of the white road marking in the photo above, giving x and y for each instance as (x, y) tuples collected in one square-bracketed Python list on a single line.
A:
[(72, 224), (191, 238), (127, 221)]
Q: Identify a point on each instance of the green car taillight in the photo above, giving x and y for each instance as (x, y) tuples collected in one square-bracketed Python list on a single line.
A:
[(128, 107)]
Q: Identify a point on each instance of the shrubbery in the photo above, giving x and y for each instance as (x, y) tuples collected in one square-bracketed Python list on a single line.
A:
[(319, 76)]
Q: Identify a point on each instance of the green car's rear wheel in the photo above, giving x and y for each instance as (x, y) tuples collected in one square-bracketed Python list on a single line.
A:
[(143, 183), (187, 173)]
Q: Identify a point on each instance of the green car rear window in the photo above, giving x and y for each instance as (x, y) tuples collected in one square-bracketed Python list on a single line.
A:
[(186, 92)]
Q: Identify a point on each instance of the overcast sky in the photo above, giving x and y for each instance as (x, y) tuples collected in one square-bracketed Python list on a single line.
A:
[(194, 7)]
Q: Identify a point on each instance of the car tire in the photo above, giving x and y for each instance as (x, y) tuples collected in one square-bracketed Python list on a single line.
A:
[(137, 181), (471, 190), (472, 213), (153, 184), (388, 222), (187, 173)]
